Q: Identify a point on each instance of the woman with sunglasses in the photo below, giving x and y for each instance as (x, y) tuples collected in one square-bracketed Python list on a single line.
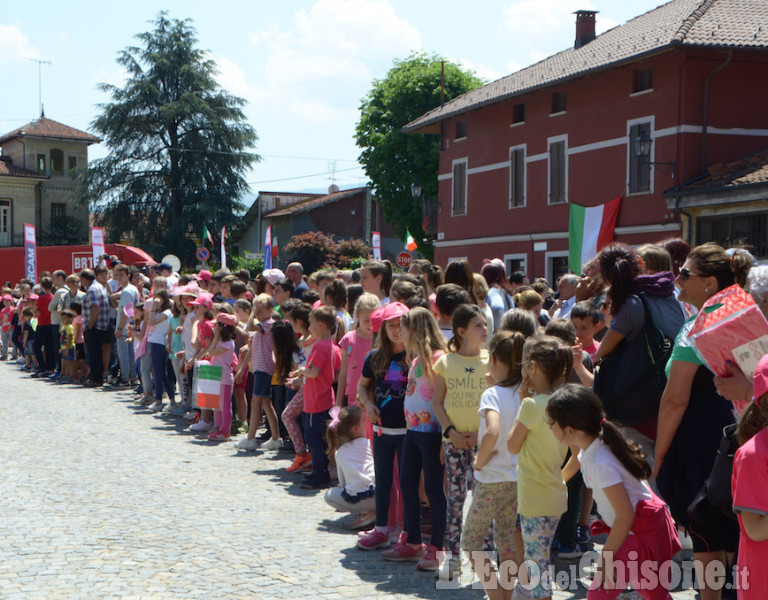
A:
[(692, 414)]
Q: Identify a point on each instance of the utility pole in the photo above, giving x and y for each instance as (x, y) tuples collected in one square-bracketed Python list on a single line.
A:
[(40, 64)]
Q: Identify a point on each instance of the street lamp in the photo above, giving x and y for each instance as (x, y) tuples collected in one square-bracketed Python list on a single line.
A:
[(641, 146)]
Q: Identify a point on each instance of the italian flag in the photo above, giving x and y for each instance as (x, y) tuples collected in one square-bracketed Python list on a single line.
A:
[(207, 234), (590, 229), (208, 386), (410, 243)]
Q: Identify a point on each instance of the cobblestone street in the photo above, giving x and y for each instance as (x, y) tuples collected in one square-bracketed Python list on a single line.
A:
[(99, 498)]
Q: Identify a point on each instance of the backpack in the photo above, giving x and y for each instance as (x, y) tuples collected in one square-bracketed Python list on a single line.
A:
[(631, 379)]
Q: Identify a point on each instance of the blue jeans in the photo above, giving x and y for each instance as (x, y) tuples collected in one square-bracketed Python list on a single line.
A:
[(422, 450), (315, 426), (159, 356), (125, 354), (385, 447)]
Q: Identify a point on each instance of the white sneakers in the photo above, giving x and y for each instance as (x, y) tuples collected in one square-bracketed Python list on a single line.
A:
[(246, 444), (272, 444), (201, 426)]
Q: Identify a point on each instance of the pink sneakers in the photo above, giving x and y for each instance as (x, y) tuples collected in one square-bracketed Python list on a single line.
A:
[(402, 551), (430, 561), (370, 540)]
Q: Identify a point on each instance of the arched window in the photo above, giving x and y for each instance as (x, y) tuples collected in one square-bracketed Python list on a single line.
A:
[(57, 162)]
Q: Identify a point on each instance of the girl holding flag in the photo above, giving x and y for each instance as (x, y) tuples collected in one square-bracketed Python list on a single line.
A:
[(222, 355)]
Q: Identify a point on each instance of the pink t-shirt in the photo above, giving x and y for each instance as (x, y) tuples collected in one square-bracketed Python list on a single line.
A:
[(592, 350), (79, 320), (356, 348), (262, 346), (750, 494), (225, 361), (318, 391), (6, 315)]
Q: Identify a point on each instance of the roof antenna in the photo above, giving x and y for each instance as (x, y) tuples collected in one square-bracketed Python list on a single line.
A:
[(40, 64)]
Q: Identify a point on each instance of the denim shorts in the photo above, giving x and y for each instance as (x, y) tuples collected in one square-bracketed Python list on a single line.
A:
[(68, 354), (29, 349), (262, 384)]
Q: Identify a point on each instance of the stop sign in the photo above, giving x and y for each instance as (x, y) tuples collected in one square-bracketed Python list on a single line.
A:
[(404, 260)]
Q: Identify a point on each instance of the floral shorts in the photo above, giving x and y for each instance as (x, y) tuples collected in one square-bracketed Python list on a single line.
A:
[(491, 503), (538, 533)]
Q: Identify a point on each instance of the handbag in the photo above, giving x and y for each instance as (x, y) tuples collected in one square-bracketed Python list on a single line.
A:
[(715, 497), (631, 379)]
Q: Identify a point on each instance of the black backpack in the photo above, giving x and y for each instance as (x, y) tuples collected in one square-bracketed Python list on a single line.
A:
[(631, 379)]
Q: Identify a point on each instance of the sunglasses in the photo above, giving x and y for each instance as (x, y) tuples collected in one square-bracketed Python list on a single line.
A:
[(686, 274)]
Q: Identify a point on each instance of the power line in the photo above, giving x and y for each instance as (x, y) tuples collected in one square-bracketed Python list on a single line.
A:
[(302, 176)]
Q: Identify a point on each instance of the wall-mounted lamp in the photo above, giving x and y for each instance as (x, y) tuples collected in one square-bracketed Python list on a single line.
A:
[(641, 146)]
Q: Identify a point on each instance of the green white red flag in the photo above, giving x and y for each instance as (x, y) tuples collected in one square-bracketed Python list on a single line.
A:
[(590, 228)]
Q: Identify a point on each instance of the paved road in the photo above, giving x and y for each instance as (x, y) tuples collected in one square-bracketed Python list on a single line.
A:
[(102, 499)]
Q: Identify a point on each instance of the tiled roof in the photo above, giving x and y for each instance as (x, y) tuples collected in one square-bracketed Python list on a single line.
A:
[(750, 170), (7, 169), (48, 128), (307, 205), (715, 23)]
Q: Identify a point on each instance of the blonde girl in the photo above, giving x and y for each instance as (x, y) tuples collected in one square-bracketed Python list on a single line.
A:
[(459, 384), (531, 301), (355, 346), (494, 500), (541, 491), (424, 344), (354, 465)]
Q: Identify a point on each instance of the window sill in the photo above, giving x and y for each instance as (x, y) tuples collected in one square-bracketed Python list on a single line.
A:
[(461, 139), (557, 114), (641, 93), (517, 124)]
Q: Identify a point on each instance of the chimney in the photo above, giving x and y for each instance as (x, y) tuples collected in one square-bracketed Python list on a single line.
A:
[(585, 27)]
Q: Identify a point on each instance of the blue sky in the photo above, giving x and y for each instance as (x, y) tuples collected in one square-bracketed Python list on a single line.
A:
[(303, 66)]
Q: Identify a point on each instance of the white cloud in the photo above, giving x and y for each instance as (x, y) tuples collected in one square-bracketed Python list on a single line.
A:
[(117, 77), (484, 72), (333, 44), (539, 28), (14, 45)]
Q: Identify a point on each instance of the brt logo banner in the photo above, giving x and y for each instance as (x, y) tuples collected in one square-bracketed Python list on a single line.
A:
[(30, 252)]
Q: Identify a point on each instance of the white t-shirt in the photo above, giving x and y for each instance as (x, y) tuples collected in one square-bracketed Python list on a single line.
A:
[(159, 333), (186, 336), (354, 466), (505, 401), (601, 469)]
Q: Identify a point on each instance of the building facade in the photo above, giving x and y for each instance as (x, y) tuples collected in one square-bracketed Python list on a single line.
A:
[(37, 165), (687, 78)]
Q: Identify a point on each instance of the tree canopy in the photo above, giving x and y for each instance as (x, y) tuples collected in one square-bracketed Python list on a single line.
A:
[(392, 159), (178, 145)]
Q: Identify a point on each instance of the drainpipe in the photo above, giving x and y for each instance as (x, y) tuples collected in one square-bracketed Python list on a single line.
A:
[(705, 117)]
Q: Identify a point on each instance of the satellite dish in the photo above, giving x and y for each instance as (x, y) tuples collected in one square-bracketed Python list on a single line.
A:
[(333, 188), (172, 260)]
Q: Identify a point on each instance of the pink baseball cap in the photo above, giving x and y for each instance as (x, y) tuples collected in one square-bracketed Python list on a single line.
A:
[(203, 299), (760, 379), (33, 297), (7, 297), (204, 275), (393, 310)]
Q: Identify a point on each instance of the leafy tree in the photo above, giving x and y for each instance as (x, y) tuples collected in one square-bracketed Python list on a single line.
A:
[(393, 160), (312, 249), (66, 230), (177, 145), (349, 250)]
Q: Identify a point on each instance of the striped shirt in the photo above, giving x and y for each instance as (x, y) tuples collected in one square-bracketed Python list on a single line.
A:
[(262, 345)]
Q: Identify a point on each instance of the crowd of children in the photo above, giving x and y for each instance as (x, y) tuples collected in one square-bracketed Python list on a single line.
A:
[(399, 396)]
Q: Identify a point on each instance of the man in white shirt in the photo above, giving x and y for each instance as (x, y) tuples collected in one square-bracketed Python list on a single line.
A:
[(566, 287)]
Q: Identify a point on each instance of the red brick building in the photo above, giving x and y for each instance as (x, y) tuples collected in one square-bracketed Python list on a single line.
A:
[(690, 76)]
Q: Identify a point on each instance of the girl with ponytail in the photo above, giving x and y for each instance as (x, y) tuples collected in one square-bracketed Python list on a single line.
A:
[(749, 484), (541, 491), (616, 471)]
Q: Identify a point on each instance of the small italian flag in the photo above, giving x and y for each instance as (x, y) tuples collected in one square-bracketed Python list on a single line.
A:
[(410, 243), (208, 386), (207, 234), (590, 229)]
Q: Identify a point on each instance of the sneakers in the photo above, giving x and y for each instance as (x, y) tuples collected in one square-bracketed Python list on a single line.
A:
[(316, 483), (300, 462), (363, 520), (246, 444), (191, 415), (370, 540), (567, 551), (582, 534), (272, 444), (430, 560), (147, 400), (201, 426), (156, 407), (402, 551), (218, 436)]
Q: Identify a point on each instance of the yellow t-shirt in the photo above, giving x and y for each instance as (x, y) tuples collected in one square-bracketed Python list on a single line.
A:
[(541, 491), (465, 383)]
